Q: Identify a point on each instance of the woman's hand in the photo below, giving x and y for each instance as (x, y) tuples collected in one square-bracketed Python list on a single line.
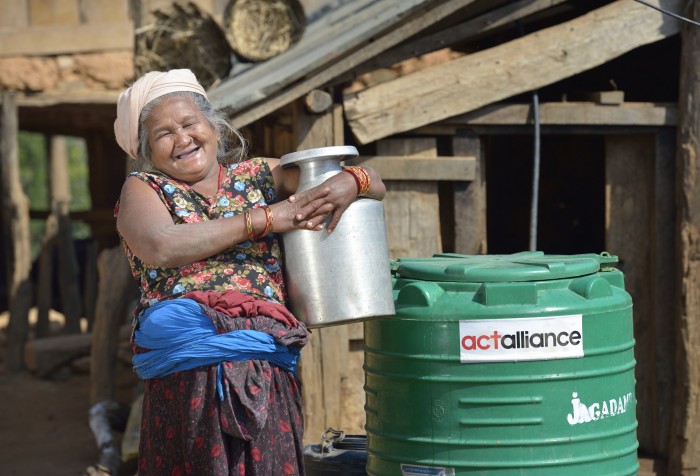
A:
[(328, 200), (310, 208)]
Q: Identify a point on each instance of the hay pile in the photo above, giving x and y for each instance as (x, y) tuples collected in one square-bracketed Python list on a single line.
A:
[(184, 37), (260, 29)]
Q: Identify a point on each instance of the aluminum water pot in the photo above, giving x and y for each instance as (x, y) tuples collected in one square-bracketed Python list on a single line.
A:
[(344, 276)]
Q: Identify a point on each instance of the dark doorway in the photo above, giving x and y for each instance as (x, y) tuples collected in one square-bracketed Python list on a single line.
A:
[(571, 212)]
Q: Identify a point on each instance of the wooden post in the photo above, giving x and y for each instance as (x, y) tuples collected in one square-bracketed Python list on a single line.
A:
[(470, 198), (90, 283), (15, 212), (629, 174), (44, 286), (322, 363), (117, 289), (67, 263), (684, 444), (664, 276)]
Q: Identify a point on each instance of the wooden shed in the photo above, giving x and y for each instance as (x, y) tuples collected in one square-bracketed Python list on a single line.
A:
[(452, 101), (465, 107)]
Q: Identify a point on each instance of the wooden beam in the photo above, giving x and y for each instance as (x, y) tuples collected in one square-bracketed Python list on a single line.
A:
[(420, 168), (522, 65), (318, 101), (47, 99), (60, 39), (45, 355), (341, 65), (569, 114), (467, 30), (610, 98)]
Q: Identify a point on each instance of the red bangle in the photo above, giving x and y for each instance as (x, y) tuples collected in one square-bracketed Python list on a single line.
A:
[(361, 178), (268, 222)]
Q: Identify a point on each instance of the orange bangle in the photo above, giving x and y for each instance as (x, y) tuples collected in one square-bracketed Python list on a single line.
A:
[(361, 178), (249, 225)]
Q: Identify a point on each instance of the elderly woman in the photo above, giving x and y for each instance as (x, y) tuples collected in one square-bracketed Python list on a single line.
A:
[(213, 340)]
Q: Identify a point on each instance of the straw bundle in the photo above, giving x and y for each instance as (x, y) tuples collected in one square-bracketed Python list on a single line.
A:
[(260, 29), (184, 37)]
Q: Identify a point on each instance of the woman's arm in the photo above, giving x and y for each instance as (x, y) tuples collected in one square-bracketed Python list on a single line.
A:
[(148, 228), (146, 225)]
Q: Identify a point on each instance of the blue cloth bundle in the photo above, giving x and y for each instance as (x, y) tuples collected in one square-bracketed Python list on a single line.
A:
[(182, 337)]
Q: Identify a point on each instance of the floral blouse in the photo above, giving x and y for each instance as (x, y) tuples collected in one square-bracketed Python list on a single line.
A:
[(248, 267)]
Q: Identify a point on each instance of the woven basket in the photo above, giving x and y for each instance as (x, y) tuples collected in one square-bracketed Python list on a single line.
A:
[(260, 29), (184, 37)]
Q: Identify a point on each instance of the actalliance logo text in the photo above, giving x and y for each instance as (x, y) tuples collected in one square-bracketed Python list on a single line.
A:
[(516, 339), (521, 340)]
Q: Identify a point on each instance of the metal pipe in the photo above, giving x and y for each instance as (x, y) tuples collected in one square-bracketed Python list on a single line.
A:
[(534, 204)]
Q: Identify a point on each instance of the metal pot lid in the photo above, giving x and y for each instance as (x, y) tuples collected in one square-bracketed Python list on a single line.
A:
[(518, 267), (339, 152)]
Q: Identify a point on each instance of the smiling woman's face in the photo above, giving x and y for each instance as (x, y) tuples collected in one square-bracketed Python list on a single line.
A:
[(183, 143)]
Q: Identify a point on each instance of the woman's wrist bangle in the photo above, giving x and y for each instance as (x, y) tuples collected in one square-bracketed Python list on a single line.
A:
[(250, 229), (361, 178), (268, 222), (249, 225)]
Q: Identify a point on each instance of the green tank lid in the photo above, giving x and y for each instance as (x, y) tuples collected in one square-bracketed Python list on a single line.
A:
[(518, 267)]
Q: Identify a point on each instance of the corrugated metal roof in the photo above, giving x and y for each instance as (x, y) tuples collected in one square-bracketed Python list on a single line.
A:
[(326, 41)]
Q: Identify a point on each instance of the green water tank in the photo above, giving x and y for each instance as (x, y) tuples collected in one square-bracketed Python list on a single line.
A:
[(517, 364)]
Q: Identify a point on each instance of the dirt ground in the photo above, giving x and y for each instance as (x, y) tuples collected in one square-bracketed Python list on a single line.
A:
[(44, 427)]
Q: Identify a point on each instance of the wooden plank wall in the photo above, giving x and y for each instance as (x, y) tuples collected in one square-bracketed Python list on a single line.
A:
[(439, 92), (51, 27), (411, 207), (469, 197), (331, 367)]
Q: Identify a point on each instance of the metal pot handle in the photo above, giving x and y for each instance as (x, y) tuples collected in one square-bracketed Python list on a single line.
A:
[(329, 438)]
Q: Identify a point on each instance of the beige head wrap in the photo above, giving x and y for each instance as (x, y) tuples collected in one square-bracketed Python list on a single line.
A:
[(132, 101)]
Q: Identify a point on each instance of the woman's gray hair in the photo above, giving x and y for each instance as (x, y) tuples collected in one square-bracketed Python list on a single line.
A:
[(232, 146)]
